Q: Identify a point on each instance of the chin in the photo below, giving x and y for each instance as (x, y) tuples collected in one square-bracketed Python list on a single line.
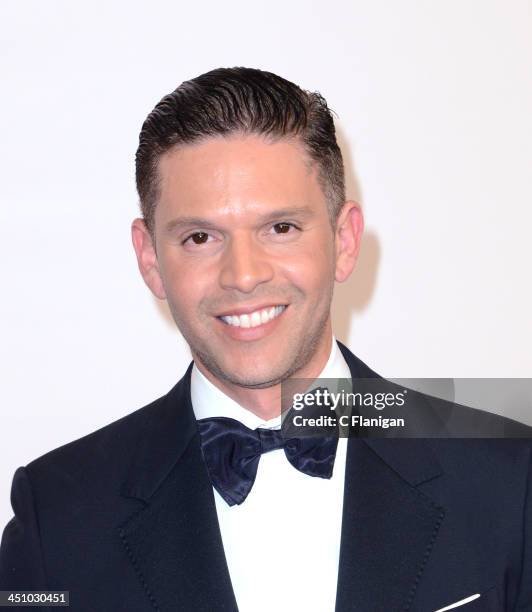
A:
[(253, 379), (243, 374), (233, 369)]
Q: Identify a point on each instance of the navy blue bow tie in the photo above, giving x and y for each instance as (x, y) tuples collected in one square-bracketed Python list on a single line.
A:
[(232, 452)]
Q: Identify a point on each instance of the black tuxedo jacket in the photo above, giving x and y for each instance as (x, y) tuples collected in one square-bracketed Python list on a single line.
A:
[(125, 520)]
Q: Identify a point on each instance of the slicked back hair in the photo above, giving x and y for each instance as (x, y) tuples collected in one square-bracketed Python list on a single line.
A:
[(229, 101)]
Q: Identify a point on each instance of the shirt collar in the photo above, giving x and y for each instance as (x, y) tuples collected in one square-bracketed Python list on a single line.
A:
[(209, 401)]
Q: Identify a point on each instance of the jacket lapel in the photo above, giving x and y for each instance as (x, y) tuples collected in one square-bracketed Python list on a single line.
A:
[(174, 541), (388, 525)]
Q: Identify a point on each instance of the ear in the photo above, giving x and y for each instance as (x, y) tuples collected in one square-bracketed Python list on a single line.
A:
[(147, 258), (349, 228)]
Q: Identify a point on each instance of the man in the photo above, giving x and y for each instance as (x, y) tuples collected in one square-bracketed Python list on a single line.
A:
[(245, 229)]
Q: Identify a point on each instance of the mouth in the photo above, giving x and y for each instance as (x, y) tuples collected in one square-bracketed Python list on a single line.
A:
[(257, 318)]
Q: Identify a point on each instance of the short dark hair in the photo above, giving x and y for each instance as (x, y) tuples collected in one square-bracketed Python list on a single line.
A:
[(239, 100)]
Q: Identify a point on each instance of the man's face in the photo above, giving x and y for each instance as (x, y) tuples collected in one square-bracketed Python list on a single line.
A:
[(245, 256)]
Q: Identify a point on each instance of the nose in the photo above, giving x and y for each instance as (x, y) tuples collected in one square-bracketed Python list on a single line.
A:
[(244, 265)]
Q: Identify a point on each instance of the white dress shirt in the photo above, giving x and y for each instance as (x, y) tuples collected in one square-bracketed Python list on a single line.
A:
[(282, 543)]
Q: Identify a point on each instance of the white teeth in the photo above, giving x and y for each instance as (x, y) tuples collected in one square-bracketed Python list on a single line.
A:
[(254, 319)]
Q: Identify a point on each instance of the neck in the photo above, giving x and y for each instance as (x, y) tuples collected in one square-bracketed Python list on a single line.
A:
[(266, 403)]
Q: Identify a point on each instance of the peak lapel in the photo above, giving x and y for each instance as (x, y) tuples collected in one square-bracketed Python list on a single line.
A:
[(174, 541), (388, 525), (388, 529)]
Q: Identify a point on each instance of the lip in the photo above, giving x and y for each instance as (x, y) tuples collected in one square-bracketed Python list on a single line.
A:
[(251, 333), (249, 309)]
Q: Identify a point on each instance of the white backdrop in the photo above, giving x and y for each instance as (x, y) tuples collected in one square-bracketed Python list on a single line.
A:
[(434, 101)]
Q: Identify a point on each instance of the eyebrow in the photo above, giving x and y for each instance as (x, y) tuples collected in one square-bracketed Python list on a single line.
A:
[(179, 223)]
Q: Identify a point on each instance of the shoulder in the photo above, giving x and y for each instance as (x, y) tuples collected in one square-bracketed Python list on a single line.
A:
[(453, 420), (488, 459), (467, 442), (102, 455), (430, 416)]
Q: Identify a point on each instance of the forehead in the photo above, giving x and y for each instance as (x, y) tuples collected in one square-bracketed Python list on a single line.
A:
[(237, 171)]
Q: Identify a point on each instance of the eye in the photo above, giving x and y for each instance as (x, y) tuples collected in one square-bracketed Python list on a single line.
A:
[(283, 228), (197, 238)]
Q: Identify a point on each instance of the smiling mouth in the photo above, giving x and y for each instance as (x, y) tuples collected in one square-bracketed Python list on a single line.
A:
[(254, 319)]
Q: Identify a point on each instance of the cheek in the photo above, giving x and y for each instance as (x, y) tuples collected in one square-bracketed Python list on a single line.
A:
[(311, 272), (187, 293), (183, 284)]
